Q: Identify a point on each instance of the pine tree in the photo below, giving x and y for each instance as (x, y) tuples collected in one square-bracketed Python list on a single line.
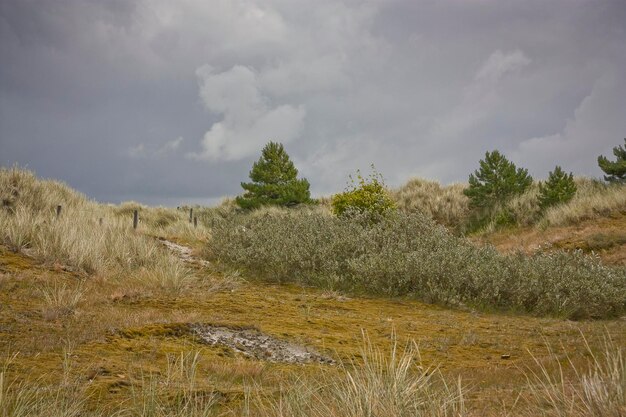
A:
[(616, 170), (274, 181), (559, 188), (496, 181)]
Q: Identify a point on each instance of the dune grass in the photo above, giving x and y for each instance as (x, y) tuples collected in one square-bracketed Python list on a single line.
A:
[(393, 385), (448, 206), (592, 200), (559, 387), (87, 237)]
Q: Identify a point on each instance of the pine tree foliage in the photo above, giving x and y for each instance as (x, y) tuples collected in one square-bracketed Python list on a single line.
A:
[(496, 181), (559, 188), (616, 171), (274, 181)]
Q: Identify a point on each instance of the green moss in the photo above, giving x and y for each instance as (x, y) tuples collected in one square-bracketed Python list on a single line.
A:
[(155, 330), (118, 347), (14, 262)]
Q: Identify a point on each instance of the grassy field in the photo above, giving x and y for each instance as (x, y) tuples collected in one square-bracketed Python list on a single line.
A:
[(99, 320)]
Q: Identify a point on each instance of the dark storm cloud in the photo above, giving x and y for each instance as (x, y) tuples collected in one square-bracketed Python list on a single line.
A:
[(170, 102)]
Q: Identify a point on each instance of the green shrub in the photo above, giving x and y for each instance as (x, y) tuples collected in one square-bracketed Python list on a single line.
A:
[(496, 181), (274, 181), (559, 188), (365, 195), (410, 255)]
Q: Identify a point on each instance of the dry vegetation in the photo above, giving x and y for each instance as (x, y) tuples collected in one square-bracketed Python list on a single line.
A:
[(593, 221), (447, 205), (95, 320)]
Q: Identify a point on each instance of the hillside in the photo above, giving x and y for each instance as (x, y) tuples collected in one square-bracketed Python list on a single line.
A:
[(97, 318), (593, 221), (604, 236)]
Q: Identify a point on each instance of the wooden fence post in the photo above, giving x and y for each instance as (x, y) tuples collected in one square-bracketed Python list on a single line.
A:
[(58, 211), (135, 219), (195, 221), (100, 221), (190, 214)]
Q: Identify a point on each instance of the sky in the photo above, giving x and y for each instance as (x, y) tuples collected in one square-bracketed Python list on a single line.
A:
[(170, 102)]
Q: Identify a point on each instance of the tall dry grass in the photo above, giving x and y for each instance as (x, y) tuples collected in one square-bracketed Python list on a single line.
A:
[(60, 300), (168, 223), (447, 205), (77, 239), (596, 388), (397, 385), (593, 199)]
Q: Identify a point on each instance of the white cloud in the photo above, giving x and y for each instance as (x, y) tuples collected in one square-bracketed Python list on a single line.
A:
[(138, 151), (499, 64), (249, 118), (142, 151)]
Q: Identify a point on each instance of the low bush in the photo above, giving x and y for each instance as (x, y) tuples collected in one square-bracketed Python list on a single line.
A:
[(410, 255), (364, 195)]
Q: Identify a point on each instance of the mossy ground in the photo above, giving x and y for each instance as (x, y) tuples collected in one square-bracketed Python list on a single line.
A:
[(122, 334)]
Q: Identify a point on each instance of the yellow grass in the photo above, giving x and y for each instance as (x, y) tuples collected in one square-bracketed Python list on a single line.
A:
[(446, 204), (87, 237), (592, 200)]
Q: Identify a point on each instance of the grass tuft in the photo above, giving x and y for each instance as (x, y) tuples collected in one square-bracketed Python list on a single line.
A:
[(397, 385), (596, 388)]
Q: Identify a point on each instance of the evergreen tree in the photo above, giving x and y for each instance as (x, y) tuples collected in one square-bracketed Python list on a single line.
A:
[(274, 181), (495, 181), (616, 170), (559, 188)]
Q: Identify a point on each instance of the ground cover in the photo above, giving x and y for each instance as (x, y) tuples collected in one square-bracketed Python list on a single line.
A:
[(121, 334)]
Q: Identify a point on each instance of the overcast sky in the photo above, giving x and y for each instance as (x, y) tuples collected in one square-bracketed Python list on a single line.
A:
[(169, 102)]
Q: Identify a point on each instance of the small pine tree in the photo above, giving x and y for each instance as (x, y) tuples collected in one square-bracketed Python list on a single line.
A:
[(365, 195), (274, 181), (616, 171), (496, 181), (559, 188)]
